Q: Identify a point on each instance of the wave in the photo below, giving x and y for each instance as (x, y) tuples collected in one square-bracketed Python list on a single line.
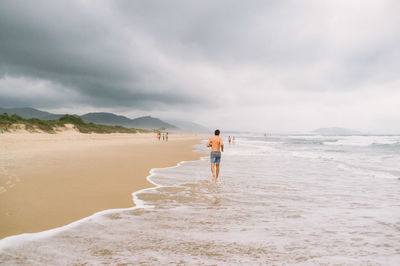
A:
[(386, 145), (304, 142)]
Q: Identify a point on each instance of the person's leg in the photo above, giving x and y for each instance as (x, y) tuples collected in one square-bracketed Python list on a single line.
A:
[(213, 172), (217, 170)]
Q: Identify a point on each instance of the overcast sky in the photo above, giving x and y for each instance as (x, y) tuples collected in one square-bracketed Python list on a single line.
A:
[(276, 66)]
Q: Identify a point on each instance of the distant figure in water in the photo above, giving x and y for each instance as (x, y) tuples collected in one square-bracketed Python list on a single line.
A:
[(217, 146), (229, 139)]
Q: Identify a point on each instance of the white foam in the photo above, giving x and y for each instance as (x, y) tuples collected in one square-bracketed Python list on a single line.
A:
[(364, 140)]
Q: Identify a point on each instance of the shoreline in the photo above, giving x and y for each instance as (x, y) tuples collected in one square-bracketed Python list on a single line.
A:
[(12, 240), (76, 176)]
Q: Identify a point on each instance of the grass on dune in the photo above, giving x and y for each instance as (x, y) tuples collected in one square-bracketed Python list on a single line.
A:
[(50, 126)]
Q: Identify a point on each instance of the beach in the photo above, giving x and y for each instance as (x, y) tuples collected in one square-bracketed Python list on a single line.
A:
[(292, 200), (50, 180), (308, 200)]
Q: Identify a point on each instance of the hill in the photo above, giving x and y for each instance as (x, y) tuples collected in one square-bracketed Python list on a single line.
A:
[(190, 127), (28, 112), (145, 122), (106, 119), (148, 122), (52, 126)]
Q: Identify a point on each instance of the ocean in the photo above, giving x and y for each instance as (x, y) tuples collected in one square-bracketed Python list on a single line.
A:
[(280, 200)]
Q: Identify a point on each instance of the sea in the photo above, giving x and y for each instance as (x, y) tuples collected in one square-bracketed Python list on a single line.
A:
[(279, 200)]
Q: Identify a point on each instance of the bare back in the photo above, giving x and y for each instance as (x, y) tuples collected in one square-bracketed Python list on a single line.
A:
[(216, 144)]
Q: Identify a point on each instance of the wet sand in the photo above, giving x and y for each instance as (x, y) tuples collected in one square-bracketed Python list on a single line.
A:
[(50, 180)]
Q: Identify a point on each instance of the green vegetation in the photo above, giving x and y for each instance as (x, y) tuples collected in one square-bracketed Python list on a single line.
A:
[(50, 126)]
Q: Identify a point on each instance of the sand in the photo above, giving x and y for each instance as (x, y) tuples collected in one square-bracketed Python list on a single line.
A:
[(50, 180)]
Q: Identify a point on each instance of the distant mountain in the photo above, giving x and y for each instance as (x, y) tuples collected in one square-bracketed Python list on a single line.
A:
[(189, 126), (336, 131), (28, 112), (148, 122), (107, 119), (145, 122)]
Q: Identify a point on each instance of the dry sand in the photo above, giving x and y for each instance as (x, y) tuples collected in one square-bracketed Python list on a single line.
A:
[(50, 180)]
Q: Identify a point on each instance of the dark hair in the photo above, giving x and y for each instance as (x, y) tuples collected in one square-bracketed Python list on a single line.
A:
[(216, 132)]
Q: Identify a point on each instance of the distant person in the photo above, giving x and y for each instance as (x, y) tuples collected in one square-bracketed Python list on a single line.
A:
[(163, 136), (229, 139), (166, 136), (233, 139), (158, 135), (217, 146)]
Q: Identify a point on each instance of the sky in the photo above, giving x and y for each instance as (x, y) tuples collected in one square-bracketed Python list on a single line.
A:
[(266, 66)]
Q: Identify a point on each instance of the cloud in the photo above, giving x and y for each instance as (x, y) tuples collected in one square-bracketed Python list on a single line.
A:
[(89, 53), (288, 65), (28, 91)]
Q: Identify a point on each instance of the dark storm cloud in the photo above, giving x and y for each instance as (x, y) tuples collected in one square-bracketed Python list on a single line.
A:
[(91, 54), (285, 59)]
